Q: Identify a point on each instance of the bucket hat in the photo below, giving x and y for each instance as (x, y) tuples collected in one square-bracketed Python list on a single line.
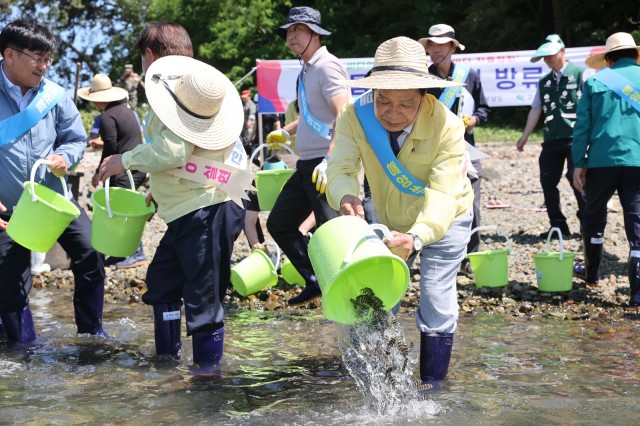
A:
[(441, 34), (552, 45), (195, 101), (303, 15), (617, 41), (400, 63), (101, 90)]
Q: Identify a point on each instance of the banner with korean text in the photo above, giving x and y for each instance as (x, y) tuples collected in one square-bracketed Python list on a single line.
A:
[(508, 78)]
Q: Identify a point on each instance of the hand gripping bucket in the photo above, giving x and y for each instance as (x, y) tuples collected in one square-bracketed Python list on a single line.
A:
[(554, 270), (41, 215), (269, 183), (290, 274), (119, 217), (348, 256), (255, 272), (491, 267)]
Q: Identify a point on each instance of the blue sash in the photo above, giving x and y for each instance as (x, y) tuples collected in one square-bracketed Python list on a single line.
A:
[(321, 128), (48, 96), (620, 85), (379, 141), (449, 94)]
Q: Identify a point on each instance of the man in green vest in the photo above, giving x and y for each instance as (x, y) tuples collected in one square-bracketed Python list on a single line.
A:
[(557, 99)]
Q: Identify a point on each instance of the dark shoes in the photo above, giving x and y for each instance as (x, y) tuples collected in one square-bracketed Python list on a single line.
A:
[(136, 259), (311, 291), (580, 272), (566, 234)]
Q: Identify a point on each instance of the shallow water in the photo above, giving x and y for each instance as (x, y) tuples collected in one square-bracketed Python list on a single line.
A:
[(286, 368)]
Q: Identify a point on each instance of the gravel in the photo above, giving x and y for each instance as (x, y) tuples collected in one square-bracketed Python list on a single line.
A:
[(511, 178)]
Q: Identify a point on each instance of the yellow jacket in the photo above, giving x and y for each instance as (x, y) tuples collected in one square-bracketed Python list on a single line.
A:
[(433, 152), (175, 196)]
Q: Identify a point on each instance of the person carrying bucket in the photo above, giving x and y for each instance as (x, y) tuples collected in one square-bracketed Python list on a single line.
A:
[(198, 177), (120, 132), (47, 127), (320, 99), (412, 149)]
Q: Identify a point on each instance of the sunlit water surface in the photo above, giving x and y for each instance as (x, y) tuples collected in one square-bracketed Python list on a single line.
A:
[(287, 368)]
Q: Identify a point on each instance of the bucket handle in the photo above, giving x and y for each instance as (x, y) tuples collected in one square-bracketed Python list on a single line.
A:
[(273, 243), (268, 145), (367, 231), (557, 230), (33, 178), (498, 230), (106, 192)]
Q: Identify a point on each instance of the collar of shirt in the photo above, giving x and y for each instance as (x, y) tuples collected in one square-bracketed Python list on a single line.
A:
[(403, 136), (15, 92), (558, 75)]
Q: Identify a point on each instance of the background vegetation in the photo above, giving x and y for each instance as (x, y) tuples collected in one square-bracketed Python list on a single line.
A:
[(101, 35)]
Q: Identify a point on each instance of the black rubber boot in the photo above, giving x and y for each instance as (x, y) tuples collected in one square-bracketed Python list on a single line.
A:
[(435, 355), (88, 303), (592, 260), (166, 322), (296, 251), (634, 281)]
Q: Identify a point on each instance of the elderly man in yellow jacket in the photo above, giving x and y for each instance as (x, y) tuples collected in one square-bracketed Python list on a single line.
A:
[(412, 149)]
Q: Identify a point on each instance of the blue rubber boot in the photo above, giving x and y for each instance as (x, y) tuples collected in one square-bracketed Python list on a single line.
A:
[(88, 303), (166, 326), (435, 355), (208, 347), (19, 325), (634, 281)]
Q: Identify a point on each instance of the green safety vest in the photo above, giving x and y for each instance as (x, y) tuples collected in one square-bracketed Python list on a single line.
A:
[(560, 102)]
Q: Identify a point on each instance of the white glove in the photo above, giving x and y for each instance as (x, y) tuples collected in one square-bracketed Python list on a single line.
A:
[(277, 137), (319, 176)]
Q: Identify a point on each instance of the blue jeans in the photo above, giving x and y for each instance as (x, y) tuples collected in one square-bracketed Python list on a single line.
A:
[(439, 263)]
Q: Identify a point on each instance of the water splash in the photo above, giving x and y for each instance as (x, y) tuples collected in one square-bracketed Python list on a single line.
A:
[(377, 356)]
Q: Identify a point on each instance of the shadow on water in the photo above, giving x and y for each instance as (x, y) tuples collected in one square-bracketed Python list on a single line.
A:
[(287, 368)]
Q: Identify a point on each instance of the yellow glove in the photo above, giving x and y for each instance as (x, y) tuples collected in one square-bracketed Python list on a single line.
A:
[(319, 176), (277, 137)]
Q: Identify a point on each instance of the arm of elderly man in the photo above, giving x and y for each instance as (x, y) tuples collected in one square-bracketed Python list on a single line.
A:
[(436, 158)]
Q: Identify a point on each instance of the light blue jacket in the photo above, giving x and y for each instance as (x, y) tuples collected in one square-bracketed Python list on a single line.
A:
[(60, 132)]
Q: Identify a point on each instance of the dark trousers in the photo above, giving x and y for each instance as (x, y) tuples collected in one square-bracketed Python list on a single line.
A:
[(552, 159), (474, 242), (193, 262), (87, 266), (295, 203), (601, 184), (122, 180)]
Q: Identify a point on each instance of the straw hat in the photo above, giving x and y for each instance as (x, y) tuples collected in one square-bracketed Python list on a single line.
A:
[(195, 100), (617, 41), (303, 15), (552, 45), (101, 90), (400, 63), (441, 34)]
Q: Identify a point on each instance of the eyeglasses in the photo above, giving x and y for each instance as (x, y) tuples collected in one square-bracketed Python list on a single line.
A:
[(40, 61)]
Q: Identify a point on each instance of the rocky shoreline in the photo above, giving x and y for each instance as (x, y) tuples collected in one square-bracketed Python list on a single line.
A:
[(511, 198)]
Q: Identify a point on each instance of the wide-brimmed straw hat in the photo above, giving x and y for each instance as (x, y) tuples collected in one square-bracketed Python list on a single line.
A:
[(617, 41), (303, 15), (441, 34), (101, 90), (400, 63), (195, 100), (552, 45)]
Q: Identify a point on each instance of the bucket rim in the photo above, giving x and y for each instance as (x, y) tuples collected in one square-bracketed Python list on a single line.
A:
[(487, 252), (96, 204), (76, 210)]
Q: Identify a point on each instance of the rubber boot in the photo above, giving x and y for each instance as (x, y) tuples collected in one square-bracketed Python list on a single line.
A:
[(296, 251), (208, 347), (19, 325), (592, 259), (88, 303), (166, 328), (634, 281), (435, 355)]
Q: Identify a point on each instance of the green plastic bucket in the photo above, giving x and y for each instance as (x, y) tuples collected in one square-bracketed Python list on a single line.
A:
[(255, 272), (290, 274), (491, 267), (41, 215), (347, 256), (269, 182), (119, 218), (554, 270)]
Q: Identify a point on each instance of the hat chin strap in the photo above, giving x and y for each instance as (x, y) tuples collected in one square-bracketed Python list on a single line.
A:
[(305, 49)]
